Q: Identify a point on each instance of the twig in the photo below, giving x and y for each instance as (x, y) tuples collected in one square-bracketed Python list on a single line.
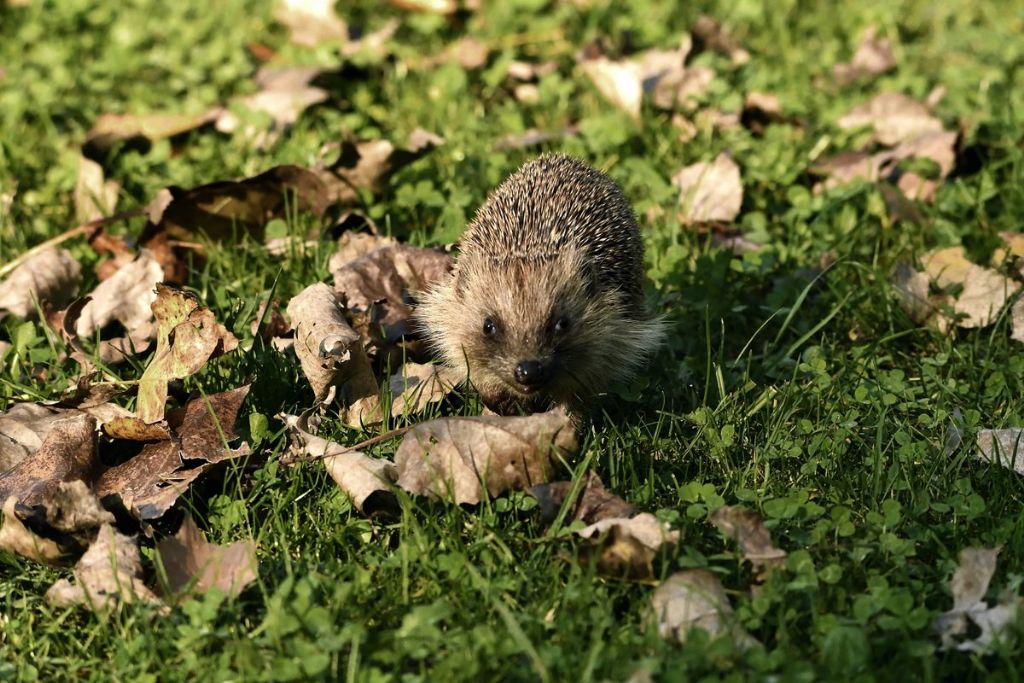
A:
[(83, 229)]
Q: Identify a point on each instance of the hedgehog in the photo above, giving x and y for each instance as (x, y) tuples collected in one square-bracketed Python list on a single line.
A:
[(545, 304)]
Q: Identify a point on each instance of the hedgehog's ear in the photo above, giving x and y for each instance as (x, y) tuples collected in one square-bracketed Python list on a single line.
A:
[(458, 283)]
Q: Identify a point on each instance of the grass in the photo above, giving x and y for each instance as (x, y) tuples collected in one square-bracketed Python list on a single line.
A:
[(808, 396)]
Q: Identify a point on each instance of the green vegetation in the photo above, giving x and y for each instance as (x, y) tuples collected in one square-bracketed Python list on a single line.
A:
[(805, 394)]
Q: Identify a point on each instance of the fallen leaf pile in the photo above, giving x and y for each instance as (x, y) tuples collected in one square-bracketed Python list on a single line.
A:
[(973, 625)]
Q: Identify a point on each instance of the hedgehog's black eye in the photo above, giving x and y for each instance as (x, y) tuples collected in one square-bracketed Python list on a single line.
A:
[(489, 328), (562, 324)]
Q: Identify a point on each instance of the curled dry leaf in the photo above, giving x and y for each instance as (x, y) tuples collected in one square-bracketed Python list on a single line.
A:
[(58, 527), (369, 164), (284, 94), (593, 503), (332, 354), (458, 458), (416, 386), (198, 435), (311, 22), (970, 612), (894, 117), (51, 276), (983, 292), (95, 196), (125, 297), (379, 286), (626, 547), (708, 34), (111, 130), (911, 288), (618, 81), (694, 598), (108, 574), (352, 245), (1002, 446), (755, 541), (710, 191), (68, 452), (191, 563), (224, 210), (873, 57), (364, 479), (187, 336)]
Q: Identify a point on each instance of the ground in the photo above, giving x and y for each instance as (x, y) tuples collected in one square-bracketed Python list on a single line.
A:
[(791, 381)]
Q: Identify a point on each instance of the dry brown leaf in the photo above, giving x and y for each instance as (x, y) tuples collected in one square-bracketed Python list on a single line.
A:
[(109, 573), (970, 613), (198, 436), (694, 598), (68, 452), (459, 458), (710, 191), (284, 94), (708, 34), (911, 288), (57, 527), (984, 292), (593, 503), (51, 276), (618, 81), (747, 528), (125, 297), (379, 287), (416, 386), (470, 53), (872, 57), (426, 6), (940, 147), (530, 71), (1003, 447), (95, 196), (192, 564), (225, 210), (626, 547), (311, 22), (332, 355), (352, 245), (111, 130), (894, 117), (369, 164), (1017, 320), (367, 481), (187, 336)]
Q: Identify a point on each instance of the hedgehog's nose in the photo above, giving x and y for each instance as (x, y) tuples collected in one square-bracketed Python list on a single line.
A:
[(531, 373)]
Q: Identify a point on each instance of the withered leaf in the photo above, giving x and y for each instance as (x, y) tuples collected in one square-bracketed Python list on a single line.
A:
[(1002, 446), (364, 479), (970, 612), (369, 164), (311, 22), (332, 354), (51, 276), (284, 94), (113, 129), (416, 386), (191, 563), (872, 57), (593, 503), (427, 6), (458, 458), (710, 191), (894, 117), (58, 527), (694, 598), (983, 293), (109, 573), (95, 196), (224, 210), (747, 528), (68, 452), (352, 245), (381, 284), (533, 137), (626, 547), (187, 337), (152, 481), (618, 81)]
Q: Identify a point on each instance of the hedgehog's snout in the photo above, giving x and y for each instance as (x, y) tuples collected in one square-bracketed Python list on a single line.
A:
[(532, 374)]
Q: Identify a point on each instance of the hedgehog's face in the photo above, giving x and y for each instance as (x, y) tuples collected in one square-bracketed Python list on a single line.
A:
[(524, 328)]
